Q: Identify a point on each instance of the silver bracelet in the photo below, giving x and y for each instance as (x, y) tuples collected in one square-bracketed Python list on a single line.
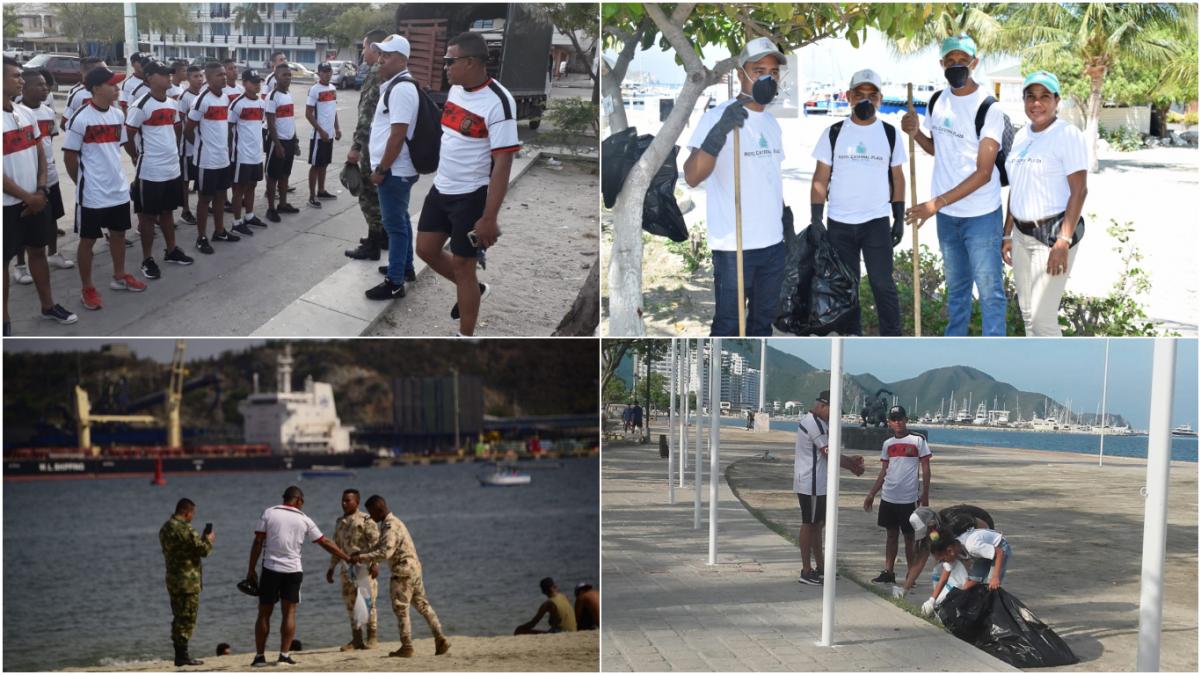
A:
[(1007, 238), (1066, 239)]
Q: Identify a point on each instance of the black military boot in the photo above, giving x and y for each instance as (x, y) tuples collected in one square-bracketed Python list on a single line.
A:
[(183, 659), (367, 250)]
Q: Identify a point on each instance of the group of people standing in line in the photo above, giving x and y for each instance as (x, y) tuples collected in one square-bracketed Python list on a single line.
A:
[(859, 178)]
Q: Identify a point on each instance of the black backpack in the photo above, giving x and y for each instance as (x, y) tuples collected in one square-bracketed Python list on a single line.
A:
[(1006, 138), (426, 143), (888, 130)]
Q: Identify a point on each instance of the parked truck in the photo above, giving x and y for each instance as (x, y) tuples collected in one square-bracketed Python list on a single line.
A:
[(518, 39)]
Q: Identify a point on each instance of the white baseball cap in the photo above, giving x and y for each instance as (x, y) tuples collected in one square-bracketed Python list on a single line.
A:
[(757, 49), (393, 43), (866, 76)]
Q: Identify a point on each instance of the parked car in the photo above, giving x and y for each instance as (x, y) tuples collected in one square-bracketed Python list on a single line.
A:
[(64, 67), (359, 75), (343, 73), (301, 74)]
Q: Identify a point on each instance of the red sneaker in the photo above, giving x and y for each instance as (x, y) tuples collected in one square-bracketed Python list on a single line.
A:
[(90, 297), (127, 283)]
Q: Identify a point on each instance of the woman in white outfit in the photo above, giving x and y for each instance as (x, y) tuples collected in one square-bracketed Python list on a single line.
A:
[(1047, 172)]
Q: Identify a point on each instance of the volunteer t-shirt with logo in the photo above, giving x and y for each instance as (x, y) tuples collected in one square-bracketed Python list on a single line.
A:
[(248, 117), (155, 120), (132, 88), (47, 130), (903, 457), (280, 104), (475, 123), (211, 113), (858, 186), (186, 100), (951, 124), (97, 135), (323, 97), (810, 469), (981, 543), (232, 92), (77, 97), (401, 107), (286, 528), (1038, 167), (762, 182), (21, 137)]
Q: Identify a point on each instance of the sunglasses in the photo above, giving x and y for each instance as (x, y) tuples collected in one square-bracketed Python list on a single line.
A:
[(451, 60)]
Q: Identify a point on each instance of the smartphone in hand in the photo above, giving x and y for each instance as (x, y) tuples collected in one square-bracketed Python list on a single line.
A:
[(207, 529)]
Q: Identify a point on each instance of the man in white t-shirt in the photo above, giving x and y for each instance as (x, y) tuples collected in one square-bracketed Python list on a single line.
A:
[(178, 79), (712, 162), (862, 179), (321, 113), (902, 455), (134, 85), (34, 93), (479, 139), (207, 126), (78, 96), (281, 142), (966, 188), (187, 158), (279, 538), (809, 475), (247, 117)]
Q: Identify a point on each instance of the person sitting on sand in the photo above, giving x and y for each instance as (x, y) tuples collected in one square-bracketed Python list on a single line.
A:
[(557, 608), (956, 519), (223, 649), (587, 607)]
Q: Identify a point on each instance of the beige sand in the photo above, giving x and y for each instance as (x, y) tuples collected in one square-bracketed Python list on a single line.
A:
[(560, 652), (1075, 528)]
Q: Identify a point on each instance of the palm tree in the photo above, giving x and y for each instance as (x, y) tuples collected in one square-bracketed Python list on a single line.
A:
[(162, 18), (246, 14)]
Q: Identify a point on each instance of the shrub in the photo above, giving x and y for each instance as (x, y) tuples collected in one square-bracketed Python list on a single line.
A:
[(1122, 139), (576, 122)]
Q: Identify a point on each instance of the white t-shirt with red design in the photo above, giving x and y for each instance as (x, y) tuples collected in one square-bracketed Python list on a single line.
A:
[(155, 120), (97, 135), (903, 457), (21, 136), (248, 117), (211, 113), (323, 97), (475, 123), (47, 130), (281, 105), (77, 97)]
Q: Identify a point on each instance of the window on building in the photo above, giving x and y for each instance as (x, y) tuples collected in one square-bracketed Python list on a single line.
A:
[(219, 28), (483, 23), (283, 29)]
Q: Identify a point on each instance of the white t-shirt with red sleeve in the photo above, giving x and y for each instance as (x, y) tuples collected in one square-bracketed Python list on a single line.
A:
[(475, 123), (21, 137), (97, 135)]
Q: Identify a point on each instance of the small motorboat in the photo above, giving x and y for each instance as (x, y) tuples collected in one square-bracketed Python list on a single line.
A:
[(327, 472), (504, 478)]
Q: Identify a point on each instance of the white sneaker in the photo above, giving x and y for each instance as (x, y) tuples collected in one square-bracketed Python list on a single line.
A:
[(20, 274), (57, 261)]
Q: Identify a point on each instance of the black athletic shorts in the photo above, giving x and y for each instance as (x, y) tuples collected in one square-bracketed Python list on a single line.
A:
[(31, 231), (273, 586), (91, 223), (320, 153), (454, 215), (281, 167), (812, 509), (214, 181), (56, 205), (154, 197), (896, 515), (247, 174)]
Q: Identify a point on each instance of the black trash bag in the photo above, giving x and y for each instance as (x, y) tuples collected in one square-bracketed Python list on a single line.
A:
[(660, 212), (819, 292), (1001, 625)]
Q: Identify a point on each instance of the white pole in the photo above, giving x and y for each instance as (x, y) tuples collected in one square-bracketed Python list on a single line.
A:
[(714, 445), (131, 35), (1154, 529), (685, 376), (698, 482), (834, 461), (762, 377), (671, 428), (1104, 401)]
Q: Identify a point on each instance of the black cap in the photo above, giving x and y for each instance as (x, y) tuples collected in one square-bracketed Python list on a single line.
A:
[(897, 412), (823, 397), (325, 66), (251, 75), (138, 57), (97, 76), (155, 68)]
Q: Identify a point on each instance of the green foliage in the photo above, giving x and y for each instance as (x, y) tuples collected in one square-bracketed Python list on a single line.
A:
[(568, 17), (616, 391), (162, 17), (12, 26), (1122, 139), (85, 22), (1188, 119), (576, 122), (694, 251)]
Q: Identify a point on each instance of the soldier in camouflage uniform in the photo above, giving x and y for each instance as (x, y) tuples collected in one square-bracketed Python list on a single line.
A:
[(182, 548), (406, 585), (355, 531), (368, 197)]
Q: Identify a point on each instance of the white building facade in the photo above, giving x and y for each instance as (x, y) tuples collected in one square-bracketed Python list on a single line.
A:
[(213, 34)]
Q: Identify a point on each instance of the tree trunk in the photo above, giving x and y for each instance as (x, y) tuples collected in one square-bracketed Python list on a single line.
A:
[(584, 316), (617, 121), (1096, 74)]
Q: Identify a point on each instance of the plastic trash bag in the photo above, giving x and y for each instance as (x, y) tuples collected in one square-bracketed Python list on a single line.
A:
[(361, 578), (999, 624), (660, 212), (818, 291)]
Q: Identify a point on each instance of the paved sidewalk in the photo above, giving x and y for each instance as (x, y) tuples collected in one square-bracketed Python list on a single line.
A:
[(665, 609)]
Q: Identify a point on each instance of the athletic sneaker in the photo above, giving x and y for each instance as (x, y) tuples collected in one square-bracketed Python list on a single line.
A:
[(20, 274), (242, 228), (203, 246), (188, 218), (255, 222), (325, 195), (885, 577), (90, 297), (383, 269), (260, 661), (286, 659), (177, 256), (272, 216), (59, 262), (410, 274), (484, 291), (225, 236), (126, 283), (150, 269), (291, 189), (228, 207), (386, 290), (59, 314), (286, 208), (810, 578), (312, 202)]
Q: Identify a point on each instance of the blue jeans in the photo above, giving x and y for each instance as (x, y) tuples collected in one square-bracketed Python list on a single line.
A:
[(762, 270), (393, 209), (971, 255), (980, 569)]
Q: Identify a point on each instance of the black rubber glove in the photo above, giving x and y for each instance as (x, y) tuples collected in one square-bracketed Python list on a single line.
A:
[(818, 217), (733, 117), (897, 223)]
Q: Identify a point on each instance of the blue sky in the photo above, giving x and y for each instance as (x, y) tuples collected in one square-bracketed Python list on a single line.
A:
[(1063, 368)]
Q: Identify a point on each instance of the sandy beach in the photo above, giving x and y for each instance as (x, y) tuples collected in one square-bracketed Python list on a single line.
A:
[(560, 652), (1075, 528)]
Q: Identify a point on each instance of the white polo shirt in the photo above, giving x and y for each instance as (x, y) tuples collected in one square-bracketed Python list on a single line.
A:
[(951, 124), (287, 528), (1038, 167), (475, 123), (401, 107)]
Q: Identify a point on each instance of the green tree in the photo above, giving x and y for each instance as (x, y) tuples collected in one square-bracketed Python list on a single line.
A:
[(616, 391), (162, 18), (350, 26), (12, 26), (572, 17), (90, 22), (245, 17)]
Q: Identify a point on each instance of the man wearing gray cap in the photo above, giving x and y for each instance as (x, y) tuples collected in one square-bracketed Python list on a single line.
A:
[(860, 174), (761, 144)]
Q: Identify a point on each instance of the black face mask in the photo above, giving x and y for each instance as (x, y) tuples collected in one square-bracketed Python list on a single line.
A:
[(957, 76), (764, 90), (864, 110)]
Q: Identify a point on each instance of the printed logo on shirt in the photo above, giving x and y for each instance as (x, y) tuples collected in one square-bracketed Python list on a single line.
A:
[(19, 139), (947, 128), (903, 450), (163, 117), (762, 141), (463, 121), (284, 110), (103, 133), (251, 114), (46, 127), (326, 96), (216, 113)]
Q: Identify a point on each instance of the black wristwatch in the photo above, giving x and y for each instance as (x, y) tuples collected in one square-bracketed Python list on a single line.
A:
[(383, 170)]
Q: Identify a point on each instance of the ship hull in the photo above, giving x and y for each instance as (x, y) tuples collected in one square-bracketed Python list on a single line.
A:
[(66, 467)]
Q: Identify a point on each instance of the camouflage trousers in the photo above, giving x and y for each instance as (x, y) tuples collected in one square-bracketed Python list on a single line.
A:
[(184, 608), (350, 594), (407, 591), (368, 201)]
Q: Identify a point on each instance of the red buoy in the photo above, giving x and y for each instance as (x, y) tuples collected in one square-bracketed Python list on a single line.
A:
[(158, 472)]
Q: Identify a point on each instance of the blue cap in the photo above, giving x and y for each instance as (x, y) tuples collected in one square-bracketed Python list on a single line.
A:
[(959, 43), (1046, 79)]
